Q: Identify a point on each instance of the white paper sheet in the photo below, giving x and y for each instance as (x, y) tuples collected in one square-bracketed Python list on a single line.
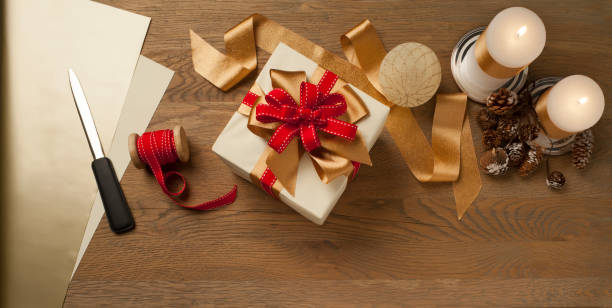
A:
[(147, 89), (236, 144), (50, 185)]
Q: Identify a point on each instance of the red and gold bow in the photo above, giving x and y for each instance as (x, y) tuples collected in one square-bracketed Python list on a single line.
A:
[(323, 122), (317, 110)]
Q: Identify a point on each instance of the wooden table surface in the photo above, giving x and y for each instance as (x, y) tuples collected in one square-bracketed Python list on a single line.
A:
[(390, 239)]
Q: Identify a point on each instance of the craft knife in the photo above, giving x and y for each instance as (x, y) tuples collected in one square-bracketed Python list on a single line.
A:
[(117, 210)]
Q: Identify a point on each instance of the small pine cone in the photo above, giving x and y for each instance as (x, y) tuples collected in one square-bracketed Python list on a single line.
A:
[(525, 98), (516, 153), (494, 162), (555, 180), (502, 101), (582, 149), (528, 132), (491, 139), (532, 161), (507, 128), (486, 120)]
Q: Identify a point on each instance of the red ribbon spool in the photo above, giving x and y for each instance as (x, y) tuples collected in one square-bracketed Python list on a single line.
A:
[(162, 147)]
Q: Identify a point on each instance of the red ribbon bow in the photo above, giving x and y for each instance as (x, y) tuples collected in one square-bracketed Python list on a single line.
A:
[(317, 110)]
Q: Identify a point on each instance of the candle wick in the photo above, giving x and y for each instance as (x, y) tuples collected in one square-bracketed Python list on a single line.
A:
[(521, 31)]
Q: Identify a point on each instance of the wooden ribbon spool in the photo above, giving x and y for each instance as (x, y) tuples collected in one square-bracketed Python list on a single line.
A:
[(180, 143)]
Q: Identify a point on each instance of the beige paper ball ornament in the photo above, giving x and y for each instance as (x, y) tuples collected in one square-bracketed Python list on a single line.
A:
[(410, 74)]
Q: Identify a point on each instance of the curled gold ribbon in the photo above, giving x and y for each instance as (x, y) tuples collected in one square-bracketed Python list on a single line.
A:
[(547, 124), (450, 158), (488, 64)]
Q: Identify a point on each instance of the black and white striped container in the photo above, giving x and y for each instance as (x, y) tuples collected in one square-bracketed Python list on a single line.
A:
[(465, 44)]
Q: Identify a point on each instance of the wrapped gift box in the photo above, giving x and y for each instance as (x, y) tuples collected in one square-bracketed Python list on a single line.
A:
[(239, 148)]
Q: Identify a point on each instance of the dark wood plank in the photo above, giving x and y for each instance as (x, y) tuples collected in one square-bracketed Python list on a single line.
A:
[(348, 293), (391, 240)]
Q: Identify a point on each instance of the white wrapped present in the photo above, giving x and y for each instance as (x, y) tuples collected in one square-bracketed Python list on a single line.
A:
[(243, 150)]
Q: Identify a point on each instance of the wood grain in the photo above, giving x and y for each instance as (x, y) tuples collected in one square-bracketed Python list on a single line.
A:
[(390, 241)]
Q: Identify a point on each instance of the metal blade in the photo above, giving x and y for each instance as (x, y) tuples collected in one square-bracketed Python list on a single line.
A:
[(85, 114)]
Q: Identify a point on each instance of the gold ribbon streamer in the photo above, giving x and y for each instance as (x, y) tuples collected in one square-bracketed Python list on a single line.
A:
[(488, 64), (223, 70), (450, 158)]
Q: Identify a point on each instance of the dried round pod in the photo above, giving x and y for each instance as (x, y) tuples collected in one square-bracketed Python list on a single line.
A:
[(494, 162), (502, 101), (555, 180), (516, 153)]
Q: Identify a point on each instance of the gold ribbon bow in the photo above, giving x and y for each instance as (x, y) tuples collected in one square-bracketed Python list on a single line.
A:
[(451, 156), (335, 155)]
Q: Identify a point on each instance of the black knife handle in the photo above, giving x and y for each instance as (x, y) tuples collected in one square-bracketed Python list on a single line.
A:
[(117, 210)]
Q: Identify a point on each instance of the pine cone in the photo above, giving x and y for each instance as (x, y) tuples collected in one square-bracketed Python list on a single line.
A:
[(582, 149), (491, 139), (555, 180), (528, 132), (502, 102), (516, 153), (525, 98), (507, 128), (494, 162), (486, 120), (532, 161)]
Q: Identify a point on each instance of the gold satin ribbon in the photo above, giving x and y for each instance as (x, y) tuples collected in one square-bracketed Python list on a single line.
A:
[(488, 64), (549, 127), (450, 158), (335, 155), (223, 70)]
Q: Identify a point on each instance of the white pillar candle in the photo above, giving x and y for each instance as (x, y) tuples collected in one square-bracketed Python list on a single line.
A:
[(575, 103), (514, 38)]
